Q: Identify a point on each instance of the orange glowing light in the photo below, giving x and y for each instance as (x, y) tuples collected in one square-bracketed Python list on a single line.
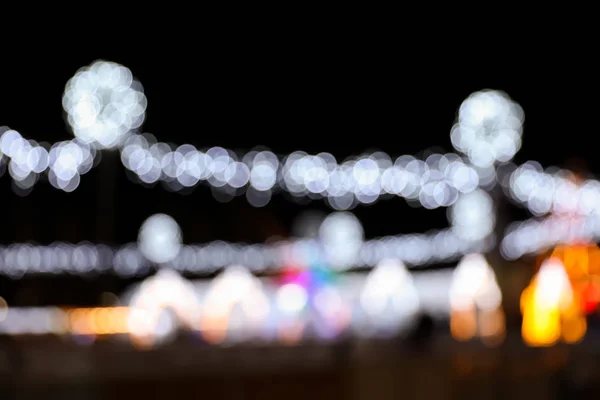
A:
[(463, 324), (98, 320), (551, 308), (582, 264)]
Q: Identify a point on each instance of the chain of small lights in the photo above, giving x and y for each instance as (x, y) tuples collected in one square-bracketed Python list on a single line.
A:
[(533, 236), (21, 259), (339, 244), (553, 190), (62, 163), (434, 182), (106, 106)]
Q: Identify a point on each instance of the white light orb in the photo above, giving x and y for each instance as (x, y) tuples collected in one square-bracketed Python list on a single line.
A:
[(160, 238), (389, 300), (291, 298), (104, 103), (489, 128), (342, 236), (389, 282), (553, 284), (474, 283), (472, 216)]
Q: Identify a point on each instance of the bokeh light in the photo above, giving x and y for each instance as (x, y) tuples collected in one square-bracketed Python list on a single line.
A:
[(104, 103), (160, 238)]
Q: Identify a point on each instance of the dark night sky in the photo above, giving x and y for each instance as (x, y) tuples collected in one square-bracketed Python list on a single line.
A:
[(339, 99)]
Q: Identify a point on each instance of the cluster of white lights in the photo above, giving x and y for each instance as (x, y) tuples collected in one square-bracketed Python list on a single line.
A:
[(555, 191), (434, 182), (63, 163), (489, 128), (105, 105), (533, 236)]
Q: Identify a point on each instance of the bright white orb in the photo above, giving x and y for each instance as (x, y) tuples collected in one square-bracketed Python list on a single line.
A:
[(389, 300), (389, 281), (489, 128), (159, 239), (291, 298), (104, 103), (472, 216), (342, 236), (474, 283), (553, 283)]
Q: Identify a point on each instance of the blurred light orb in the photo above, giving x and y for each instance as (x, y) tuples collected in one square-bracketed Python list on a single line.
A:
[(291, 298), (388, 299), (104, 103), (342, 236), (389, 283), (489, 128), (472, 216), (160, 238), (474, 282)]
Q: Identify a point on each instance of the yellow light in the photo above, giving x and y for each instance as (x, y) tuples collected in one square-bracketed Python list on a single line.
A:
[(541, 326), (119, 320), (79, 321), (98, 320), (550, 309), (574, 330), (91, 317), (103, 321)]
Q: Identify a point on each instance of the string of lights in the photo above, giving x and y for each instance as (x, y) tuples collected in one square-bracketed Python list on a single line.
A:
[(106, 107), (340, 245), (534, 236), (553, 190), (285, 290), (384, 303)]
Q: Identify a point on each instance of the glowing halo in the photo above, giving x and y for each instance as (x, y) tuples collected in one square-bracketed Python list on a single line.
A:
[(489, 128), (104, 103), (160, 238)]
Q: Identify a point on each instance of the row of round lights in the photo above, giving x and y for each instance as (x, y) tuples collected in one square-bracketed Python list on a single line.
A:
[(554, 191), (105, 106), (339, 242), (434, 182), (21, 259), (534, 236), (63, 163)]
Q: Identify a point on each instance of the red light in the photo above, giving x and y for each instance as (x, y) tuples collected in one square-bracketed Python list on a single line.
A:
[(591, 296)]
